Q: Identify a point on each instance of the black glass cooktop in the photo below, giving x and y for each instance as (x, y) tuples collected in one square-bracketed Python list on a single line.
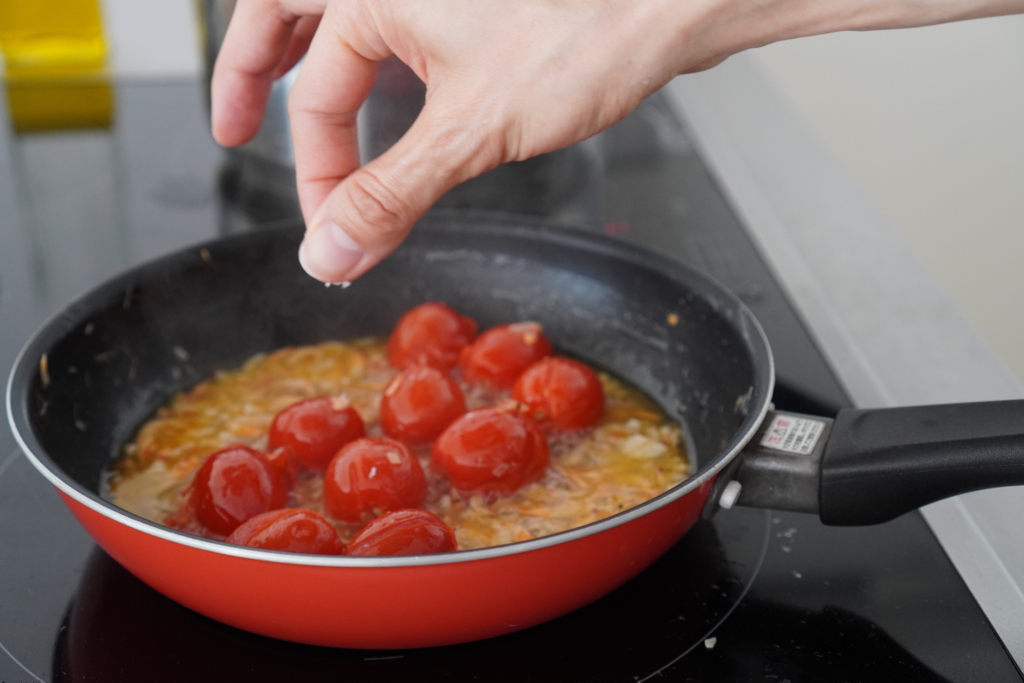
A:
[(749, 595)]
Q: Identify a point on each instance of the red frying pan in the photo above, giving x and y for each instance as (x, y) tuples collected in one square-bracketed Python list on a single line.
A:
[(96, 371)]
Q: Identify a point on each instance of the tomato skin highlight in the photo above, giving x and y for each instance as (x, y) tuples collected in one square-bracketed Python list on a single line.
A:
[(234, 485), (315, 429), (492, 451), (430, 334), (293, 530), (561, 391), (372, 475), (502, 353), (404, 532), (285, 464), (419, 403)]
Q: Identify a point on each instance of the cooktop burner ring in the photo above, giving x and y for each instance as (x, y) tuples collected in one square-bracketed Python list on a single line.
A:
[(732, 608)]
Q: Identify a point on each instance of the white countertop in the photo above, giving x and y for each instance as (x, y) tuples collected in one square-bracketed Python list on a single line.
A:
[(891, 334)]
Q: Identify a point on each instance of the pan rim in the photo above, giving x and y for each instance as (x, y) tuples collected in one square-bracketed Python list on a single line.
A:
[(21, 374)]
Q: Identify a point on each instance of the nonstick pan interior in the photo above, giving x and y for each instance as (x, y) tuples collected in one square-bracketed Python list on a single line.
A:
[(102, 366)]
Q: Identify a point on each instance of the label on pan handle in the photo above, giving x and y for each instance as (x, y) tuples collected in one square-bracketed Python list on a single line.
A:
[(792, 434)]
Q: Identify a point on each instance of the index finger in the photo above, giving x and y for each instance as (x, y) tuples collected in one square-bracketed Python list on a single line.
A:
[(323, 105)]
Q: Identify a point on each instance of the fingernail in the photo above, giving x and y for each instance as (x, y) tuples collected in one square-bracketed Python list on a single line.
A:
[(328, 253)]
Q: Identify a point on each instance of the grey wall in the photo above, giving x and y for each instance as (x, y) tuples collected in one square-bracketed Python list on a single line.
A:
[(929, 123)]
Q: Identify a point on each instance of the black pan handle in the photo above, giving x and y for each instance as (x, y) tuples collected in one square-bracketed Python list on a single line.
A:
[(879, 464), (870, 466)]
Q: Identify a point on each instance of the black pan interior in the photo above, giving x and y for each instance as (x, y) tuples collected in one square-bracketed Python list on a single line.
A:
[(119, 352)]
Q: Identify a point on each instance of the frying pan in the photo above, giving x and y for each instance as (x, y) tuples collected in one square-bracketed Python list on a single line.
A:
[(86, 381)]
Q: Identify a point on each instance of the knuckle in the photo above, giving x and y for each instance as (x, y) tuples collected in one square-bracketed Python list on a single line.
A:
[(376, 204), (306, 107), (299, 99), (460, 151)]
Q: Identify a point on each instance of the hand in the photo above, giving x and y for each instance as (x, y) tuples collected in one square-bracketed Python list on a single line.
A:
[(506, 80)]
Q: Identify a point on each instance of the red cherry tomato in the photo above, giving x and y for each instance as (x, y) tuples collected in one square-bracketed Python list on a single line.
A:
[(430, 334), (419, 403), (372, 475), (234, 485), (492, 451), (294, 530), (285, 464), (501, 354), (562, 391), (314, 429), (404, 532)]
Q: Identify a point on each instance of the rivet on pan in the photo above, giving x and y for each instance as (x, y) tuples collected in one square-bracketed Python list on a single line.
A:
[(730, 494)]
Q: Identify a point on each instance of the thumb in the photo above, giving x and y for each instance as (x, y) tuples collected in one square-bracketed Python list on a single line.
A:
[(369, 213)]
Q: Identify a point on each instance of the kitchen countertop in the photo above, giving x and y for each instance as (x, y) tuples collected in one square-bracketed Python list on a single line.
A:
[(891, 334)]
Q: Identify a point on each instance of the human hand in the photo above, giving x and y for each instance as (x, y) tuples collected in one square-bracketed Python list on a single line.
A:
[(505, 81)]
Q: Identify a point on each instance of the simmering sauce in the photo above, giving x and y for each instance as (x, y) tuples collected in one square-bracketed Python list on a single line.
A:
[(632, 455)]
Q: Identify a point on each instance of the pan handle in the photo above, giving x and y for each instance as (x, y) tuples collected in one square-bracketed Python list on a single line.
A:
[(870, 466), (879, 464)]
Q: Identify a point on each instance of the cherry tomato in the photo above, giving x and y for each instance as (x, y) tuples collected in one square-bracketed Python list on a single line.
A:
[(292, 529), (492, 451), (285, 464), (234, 485), (369, 476), (430, 334), (501, 354), (562, 391), (404, 532), (315, 429), (419, 403)]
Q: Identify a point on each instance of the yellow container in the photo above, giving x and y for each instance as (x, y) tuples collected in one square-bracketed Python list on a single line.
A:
[(55, 59)]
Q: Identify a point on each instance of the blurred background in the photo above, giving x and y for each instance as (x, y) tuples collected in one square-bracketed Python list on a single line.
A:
[(929, 123)]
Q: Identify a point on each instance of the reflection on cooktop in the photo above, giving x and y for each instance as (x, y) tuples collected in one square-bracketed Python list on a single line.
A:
[(670, 621)]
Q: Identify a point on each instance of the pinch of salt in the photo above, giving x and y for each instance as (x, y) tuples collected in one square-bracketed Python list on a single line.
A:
[(710, 643), (393, 458), (373, 473)]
